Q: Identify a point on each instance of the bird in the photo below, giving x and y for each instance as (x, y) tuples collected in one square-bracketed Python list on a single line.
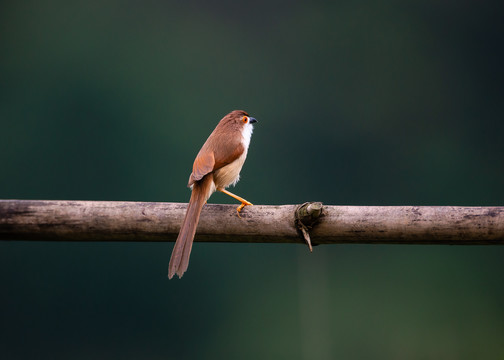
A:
[(216, 167)]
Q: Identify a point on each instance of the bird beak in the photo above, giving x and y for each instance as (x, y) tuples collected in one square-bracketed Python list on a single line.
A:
[(252, 120)]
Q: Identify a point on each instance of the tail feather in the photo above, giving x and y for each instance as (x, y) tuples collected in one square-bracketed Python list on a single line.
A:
[(182, 250)]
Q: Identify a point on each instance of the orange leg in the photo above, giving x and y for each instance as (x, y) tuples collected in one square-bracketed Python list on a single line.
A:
[(242, 200)]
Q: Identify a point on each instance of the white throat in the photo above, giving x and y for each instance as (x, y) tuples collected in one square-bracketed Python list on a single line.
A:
[(247, 134)]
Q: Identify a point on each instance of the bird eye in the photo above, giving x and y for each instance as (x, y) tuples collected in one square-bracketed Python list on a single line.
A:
[(245, 119)]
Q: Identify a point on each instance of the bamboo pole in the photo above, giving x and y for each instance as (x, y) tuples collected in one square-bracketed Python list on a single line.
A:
[(61, 220)]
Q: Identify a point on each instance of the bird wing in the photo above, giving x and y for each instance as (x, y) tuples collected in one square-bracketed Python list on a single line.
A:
[(228, 149)]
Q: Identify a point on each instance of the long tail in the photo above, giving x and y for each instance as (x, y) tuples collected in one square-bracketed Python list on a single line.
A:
[(182, 250)]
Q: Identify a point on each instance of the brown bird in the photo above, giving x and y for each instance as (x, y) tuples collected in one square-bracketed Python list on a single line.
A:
[(216, 166)]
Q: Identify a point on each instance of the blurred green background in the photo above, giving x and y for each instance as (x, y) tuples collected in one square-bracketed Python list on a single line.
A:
[(359, 103)]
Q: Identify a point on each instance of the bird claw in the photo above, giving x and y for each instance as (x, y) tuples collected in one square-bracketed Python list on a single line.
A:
[(240, 208)]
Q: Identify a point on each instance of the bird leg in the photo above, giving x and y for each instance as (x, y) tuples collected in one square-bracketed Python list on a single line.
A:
[(242, 200)]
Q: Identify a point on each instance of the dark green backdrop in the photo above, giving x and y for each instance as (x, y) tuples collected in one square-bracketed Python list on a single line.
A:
[(359, 103)]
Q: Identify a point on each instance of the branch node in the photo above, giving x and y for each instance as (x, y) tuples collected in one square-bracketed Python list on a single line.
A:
[(307, 216)]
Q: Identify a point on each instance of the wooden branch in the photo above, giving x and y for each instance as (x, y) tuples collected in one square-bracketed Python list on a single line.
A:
[(142, 221)]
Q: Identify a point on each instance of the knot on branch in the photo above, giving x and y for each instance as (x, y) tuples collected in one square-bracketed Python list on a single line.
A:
[(307, 216)]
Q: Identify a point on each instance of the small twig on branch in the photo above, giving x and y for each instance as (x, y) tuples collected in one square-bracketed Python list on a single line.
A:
[(141, 221)]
